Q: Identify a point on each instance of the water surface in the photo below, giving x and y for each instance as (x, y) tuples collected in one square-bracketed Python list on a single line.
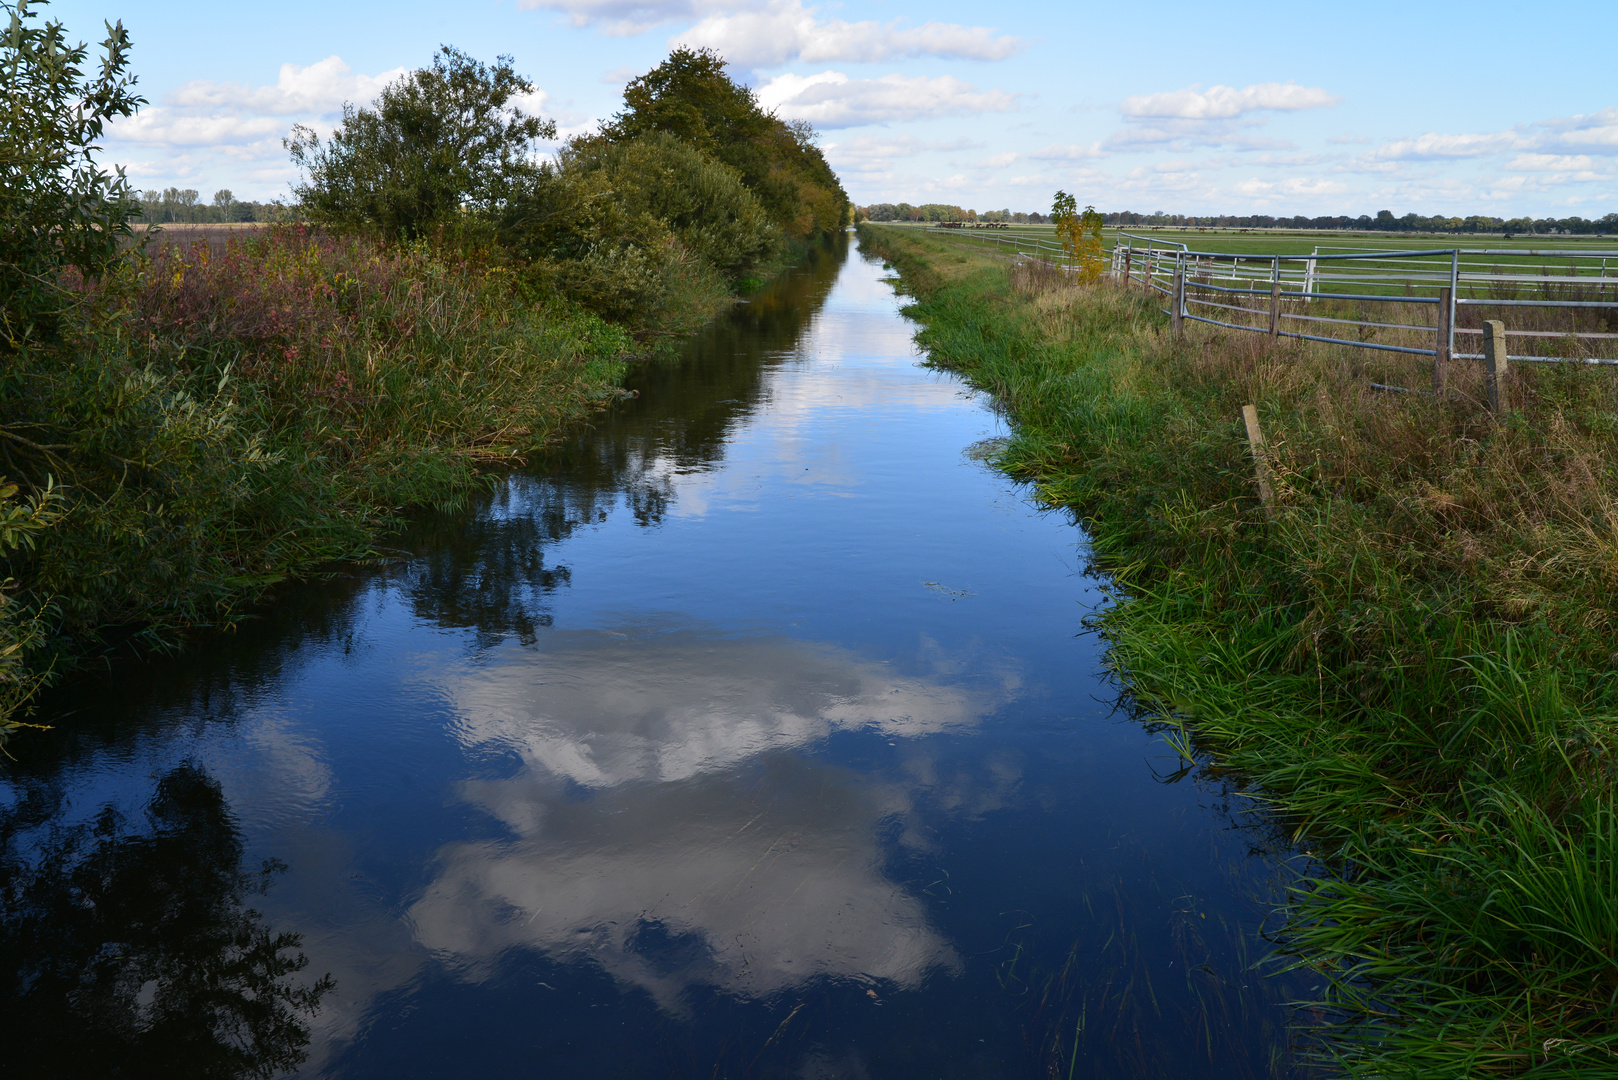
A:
[(753, 733)]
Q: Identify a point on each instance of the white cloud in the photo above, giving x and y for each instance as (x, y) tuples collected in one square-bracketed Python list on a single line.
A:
[(1293, 187), (1181, 135), (1068, 152), (870, 154), (1218, 116), (786, 31), (832, 99), (320, 87), (239, 116), (161, 127), (1435, 147), (1550, 162), (618, 18), (997, 161), (1224, 102), (1592, 133)]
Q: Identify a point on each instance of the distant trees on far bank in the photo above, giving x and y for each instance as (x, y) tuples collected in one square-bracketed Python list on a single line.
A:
[(185, 206), (1384, 221), (943, 212)]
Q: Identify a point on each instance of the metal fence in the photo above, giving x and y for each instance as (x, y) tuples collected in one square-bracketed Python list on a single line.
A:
[(1565, 301)]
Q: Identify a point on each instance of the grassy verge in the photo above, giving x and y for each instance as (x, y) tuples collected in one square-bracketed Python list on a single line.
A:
[(1413, 663), (215, 421)]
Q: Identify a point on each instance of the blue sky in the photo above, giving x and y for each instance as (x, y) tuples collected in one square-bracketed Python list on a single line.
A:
[(1280, 108)]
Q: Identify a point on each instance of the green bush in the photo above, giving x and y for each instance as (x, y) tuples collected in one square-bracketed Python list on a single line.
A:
[(441, 141), (690, 95), (636, 230), (58, 208)]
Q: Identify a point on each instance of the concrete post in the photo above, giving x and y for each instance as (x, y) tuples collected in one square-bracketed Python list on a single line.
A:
[(1495, 363)]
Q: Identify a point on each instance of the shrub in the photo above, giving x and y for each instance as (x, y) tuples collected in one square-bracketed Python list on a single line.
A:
[(58, 208), (440, 141)]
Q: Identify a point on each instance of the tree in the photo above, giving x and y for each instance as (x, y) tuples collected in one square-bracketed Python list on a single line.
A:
[(58, 208), (439, 141), (691, 95), (1080, 235)]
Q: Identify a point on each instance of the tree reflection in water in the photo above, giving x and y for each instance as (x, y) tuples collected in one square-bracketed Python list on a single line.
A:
[(135, 938)]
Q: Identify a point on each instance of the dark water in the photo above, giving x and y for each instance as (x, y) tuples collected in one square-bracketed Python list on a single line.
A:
[(755, 735)]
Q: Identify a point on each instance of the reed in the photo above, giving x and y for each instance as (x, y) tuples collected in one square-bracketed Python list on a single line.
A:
[(216, 421), (1412, 664)]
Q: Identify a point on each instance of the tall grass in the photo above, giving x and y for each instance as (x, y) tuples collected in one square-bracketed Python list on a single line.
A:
[(217, 420), (1413, 663)]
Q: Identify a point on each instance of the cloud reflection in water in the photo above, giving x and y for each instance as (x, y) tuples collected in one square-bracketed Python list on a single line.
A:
[(707, 852)]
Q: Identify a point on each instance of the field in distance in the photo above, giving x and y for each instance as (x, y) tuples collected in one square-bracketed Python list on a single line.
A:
[(1296, 241)]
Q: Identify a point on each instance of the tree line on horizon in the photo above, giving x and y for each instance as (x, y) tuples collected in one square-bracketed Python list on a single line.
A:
[(184, 206), (1383, 221)]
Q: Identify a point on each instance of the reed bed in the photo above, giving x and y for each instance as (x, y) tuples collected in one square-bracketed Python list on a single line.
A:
[(1411, 665), (219, 419)]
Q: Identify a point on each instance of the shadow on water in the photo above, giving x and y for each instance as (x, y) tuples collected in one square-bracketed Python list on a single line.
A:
[(646, 839)]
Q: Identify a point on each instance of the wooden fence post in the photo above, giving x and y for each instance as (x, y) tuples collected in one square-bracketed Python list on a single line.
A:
[(1177, 301), (1496, 366), (1441, 350), (1275, 309), (1128, 281), (1261, 461)]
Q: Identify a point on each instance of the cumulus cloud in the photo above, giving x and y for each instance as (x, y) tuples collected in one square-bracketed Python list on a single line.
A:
[(230, 114), (833, 100), (786, 31), (1590, 133), (320, 87), (1541, 146), (1219, 116), (1225, 102)]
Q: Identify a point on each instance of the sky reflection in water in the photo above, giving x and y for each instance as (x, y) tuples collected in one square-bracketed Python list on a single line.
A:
[(755, 735)]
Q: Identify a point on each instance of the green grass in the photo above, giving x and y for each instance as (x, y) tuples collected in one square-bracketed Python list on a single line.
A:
[(1412, 665)]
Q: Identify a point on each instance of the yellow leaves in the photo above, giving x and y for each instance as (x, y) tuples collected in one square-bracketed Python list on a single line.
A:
[(1080, 235)]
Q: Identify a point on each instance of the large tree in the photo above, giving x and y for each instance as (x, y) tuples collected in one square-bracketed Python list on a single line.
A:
[(439, 141), (692, 96)]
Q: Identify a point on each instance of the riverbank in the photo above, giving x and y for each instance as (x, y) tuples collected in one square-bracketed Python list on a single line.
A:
[(1412, 663), (216, 421)]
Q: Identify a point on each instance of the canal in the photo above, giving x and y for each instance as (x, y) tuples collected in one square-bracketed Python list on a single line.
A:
[(756, 732)]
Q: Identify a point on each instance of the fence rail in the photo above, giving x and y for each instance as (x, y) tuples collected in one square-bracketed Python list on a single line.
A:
[(1572, 295), (1562, 304)]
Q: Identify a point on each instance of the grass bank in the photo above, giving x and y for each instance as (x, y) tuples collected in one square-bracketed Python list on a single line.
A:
[(1413, 663), (214, 420)]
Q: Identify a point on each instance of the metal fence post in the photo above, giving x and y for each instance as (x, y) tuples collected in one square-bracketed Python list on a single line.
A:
[(1496, 365), (1177, 299), (1446, 335), (1275, 298)]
